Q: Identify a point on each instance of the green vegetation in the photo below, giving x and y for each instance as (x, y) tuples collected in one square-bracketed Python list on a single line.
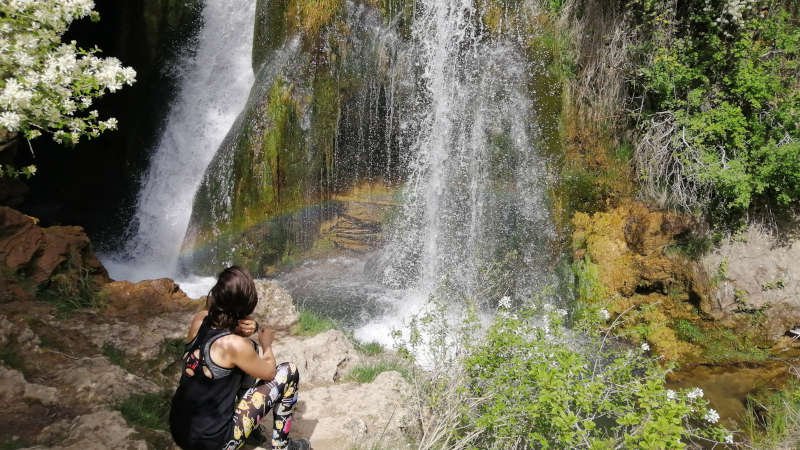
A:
[(10, 443), (366, 373), (71, 290), (11, 358), (369, 348), (773, 418), (720, 79), (310, 323), (114, 354), (720, 344), (529, 383), (147, 410)]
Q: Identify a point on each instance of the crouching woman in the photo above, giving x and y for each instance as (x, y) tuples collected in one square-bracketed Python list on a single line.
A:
[(210, 410)]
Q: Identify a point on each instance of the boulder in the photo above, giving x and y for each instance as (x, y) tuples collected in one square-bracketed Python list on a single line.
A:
[(145, 299), (34, 258), (353, 415), (321, 359), (275, 306), (97, 382), (100, 430), (755, 272), (13, 386)]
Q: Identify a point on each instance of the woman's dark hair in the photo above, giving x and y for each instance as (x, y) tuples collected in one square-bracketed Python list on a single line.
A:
[(232, 298)]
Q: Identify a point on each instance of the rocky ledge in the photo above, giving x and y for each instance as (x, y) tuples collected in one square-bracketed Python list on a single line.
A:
[(99, 374)]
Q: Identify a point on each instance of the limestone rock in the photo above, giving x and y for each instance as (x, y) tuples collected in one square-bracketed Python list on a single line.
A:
[(56, 257), (351, 415), (97, 382), (13, 384), (754, 272), (275, 306), (321, 359), (145, 299), (628, 244), (100, 430)]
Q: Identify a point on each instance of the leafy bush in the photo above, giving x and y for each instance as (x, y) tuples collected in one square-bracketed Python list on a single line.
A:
[(725, 73), (531, 383), (547, 390)]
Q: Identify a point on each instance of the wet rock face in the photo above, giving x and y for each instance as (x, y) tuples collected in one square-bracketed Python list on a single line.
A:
[(315, 125), (628, 243), (33, 258)]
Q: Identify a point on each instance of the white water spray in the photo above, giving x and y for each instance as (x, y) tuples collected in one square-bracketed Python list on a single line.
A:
[(212, 92), (475, 225)]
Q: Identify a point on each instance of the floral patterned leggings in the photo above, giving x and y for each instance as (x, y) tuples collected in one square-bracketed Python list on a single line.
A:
[(280, 395)]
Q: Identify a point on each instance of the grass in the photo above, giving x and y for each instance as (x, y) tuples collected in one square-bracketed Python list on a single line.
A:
[(773, 418), (114, 354), (147, 410), (366, 373), (310, 323), (369, 348)]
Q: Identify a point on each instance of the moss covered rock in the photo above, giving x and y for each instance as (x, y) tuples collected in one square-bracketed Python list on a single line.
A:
[(314, 126)]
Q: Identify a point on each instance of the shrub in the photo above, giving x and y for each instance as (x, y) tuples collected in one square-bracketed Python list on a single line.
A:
[(723, 74), (531, 383)]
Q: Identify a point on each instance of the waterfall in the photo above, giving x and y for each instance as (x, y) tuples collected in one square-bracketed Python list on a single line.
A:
[(474, 225), (213, 89)]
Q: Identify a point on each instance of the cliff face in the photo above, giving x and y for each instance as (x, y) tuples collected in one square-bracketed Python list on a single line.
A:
[(95, 183), (315, 125)]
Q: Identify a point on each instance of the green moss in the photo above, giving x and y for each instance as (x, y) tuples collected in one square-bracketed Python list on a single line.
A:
[(114, 354), (11, 358), (269, 30), (9, 443), (722, 345), (310, 323)]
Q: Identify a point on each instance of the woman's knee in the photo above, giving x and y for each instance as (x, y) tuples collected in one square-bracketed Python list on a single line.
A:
[(292, 374)]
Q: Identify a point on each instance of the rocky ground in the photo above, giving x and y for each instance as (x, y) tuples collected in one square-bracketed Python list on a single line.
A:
[(98, 374), (64, 376)]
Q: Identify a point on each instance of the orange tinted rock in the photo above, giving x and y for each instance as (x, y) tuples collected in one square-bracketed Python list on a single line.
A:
[(32, 256), (145, 299)]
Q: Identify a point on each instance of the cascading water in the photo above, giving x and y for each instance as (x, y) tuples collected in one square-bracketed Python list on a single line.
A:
[(212, 91), (474, 224)]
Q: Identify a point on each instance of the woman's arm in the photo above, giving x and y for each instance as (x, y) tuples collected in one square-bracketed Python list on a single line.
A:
[(245, 357)]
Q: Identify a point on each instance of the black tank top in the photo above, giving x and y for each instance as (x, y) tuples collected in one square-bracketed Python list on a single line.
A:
[(201, 417)]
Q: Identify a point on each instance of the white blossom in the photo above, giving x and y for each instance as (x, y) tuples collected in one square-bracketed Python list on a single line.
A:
[(41, 96), (14, 95), (505, 302), (671, 395), (695, 393), (645, 346), (729, 439), (9, 120), (604, 314), (711, 416)]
